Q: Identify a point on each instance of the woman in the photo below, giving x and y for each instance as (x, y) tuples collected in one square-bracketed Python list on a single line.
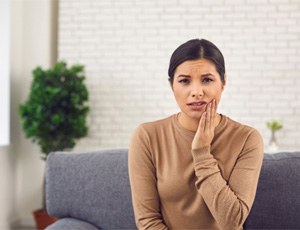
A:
[(196, 169)]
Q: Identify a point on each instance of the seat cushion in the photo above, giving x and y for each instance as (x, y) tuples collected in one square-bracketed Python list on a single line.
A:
[(70, 223)]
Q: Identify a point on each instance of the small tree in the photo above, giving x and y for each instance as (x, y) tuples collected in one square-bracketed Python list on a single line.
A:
[(54, 114)]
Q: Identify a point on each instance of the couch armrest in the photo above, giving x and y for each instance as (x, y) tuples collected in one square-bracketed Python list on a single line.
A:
[(70, 223), (277, 201), (93, 187)]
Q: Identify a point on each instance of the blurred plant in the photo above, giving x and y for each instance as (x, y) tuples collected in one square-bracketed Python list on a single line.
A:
[(274, 125), (55, 113)]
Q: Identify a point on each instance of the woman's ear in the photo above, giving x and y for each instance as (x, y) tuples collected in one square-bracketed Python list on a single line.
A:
[(224, 82), (171, 83)]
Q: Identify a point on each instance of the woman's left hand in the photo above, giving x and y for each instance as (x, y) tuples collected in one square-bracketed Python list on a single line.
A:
[(205, 131)]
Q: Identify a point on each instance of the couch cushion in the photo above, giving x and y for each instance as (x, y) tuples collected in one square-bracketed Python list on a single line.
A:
[(277, 201), (90, 186)]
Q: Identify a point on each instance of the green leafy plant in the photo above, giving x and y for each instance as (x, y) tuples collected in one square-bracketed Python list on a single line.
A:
[(55, 112)]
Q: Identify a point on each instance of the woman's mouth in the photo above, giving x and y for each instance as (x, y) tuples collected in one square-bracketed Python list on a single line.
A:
[(197, 105)]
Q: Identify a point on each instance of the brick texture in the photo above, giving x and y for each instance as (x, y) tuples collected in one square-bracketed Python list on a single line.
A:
[(125, 46)]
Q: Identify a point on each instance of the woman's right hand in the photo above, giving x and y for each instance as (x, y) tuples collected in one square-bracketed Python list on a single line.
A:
[(207, 123)]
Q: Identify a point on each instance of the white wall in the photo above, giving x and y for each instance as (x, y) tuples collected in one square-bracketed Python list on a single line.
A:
[(7, 166), (31, 45), (4, 70), (126, 46)]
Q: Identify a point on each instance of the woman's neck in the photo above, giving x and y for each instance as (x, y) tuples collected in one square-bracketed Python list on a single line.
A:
[(192, 124)]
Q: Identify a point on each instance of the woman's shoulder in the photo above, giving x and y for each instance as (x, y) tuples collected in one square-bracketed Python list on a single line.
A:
[(242, 135), (156, 124), (236, 126), (152, 129)]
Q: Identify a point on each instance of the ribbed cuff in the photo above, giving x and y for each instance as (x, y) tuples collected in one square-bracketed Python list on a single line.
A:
[(201, 154), (205, 164)]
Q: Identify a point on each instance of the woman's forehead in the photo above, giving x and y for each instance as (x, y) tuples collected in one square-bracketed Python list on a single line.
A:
[(202, 66)]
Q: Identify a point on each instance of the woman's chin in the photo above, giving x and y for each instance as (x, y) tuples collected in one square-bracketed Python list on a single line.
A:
[(195, 115)]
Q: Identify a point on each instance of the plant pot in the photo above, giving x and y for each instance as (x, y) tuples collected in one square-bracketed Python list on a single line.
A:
[(42, 219)]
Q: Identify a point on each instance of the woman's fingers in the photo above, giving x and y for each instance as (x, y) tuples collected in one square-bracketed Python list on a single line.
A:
[(202, 122), (198, 139), (205, 132), (215, 106), (213, 113), (208, 117)]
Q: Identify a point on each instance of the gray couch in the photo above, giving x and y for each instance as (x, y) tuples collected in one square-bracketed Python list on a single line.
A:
[(91, 191)]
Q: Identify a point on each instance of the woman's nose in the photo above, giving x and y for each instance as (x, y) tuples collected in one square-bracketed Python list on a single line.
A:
[(197, 91)]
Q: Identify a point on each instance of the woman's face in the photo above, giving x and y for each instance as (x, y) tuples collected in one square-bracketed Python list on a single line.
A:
[(195, 84)]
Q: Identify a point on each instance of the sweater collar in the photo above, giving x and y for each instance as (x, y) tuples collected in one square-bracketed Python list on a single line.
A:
[(190, 133)]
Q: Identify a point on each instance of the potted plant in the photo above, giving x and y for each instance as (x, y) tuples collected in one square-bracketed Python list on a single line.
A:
[(274, 126), (54, 115)]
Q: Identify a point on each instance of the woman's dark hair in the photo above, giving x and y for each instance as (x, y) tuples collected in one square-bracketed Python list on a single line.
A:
[(196, 49)]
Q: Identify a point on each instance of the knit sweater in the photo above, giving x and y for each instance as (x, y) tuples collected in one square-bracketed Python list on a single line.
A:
[(174, 187)]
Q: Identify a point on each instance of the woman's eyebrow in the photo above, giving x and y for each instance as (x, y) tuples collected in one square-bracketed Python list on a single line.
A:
[(207, 75), (202, 75), (184, 75)]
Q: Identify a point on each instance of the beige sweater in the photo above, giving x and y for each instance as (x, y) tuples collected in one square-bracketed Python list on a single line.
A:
[(174, 187)]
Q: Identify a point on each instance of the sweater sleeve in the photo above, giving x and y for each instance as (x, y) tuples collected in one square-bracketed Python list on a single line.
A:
[(230, 201), (142, 175)]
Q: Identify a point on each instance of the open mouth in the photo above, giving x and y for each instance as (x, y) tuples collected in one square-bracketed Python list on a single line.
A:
[(197, 105)]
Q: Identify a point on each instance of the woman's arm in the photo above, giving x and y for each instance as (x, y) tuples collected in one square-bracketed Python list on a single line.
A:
[(230, 201), (142, 175)]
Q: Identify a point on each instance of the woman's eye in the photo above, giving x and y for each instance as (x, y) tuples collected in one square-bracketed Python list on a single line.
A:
[(184, 81), (207, 80)]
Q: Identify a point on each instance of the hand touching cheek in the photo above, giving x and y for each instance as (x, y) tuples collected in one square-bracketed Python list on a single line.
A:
[(206, 127)]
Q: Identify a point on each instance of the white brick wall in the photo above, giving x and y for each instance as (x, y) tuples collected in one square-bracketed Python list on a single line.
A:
[(126, 45)]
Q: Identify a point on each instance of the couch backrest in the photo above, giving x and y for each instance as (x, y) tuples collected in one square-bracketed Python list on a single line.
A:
[(277, 201), (93, 187)]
